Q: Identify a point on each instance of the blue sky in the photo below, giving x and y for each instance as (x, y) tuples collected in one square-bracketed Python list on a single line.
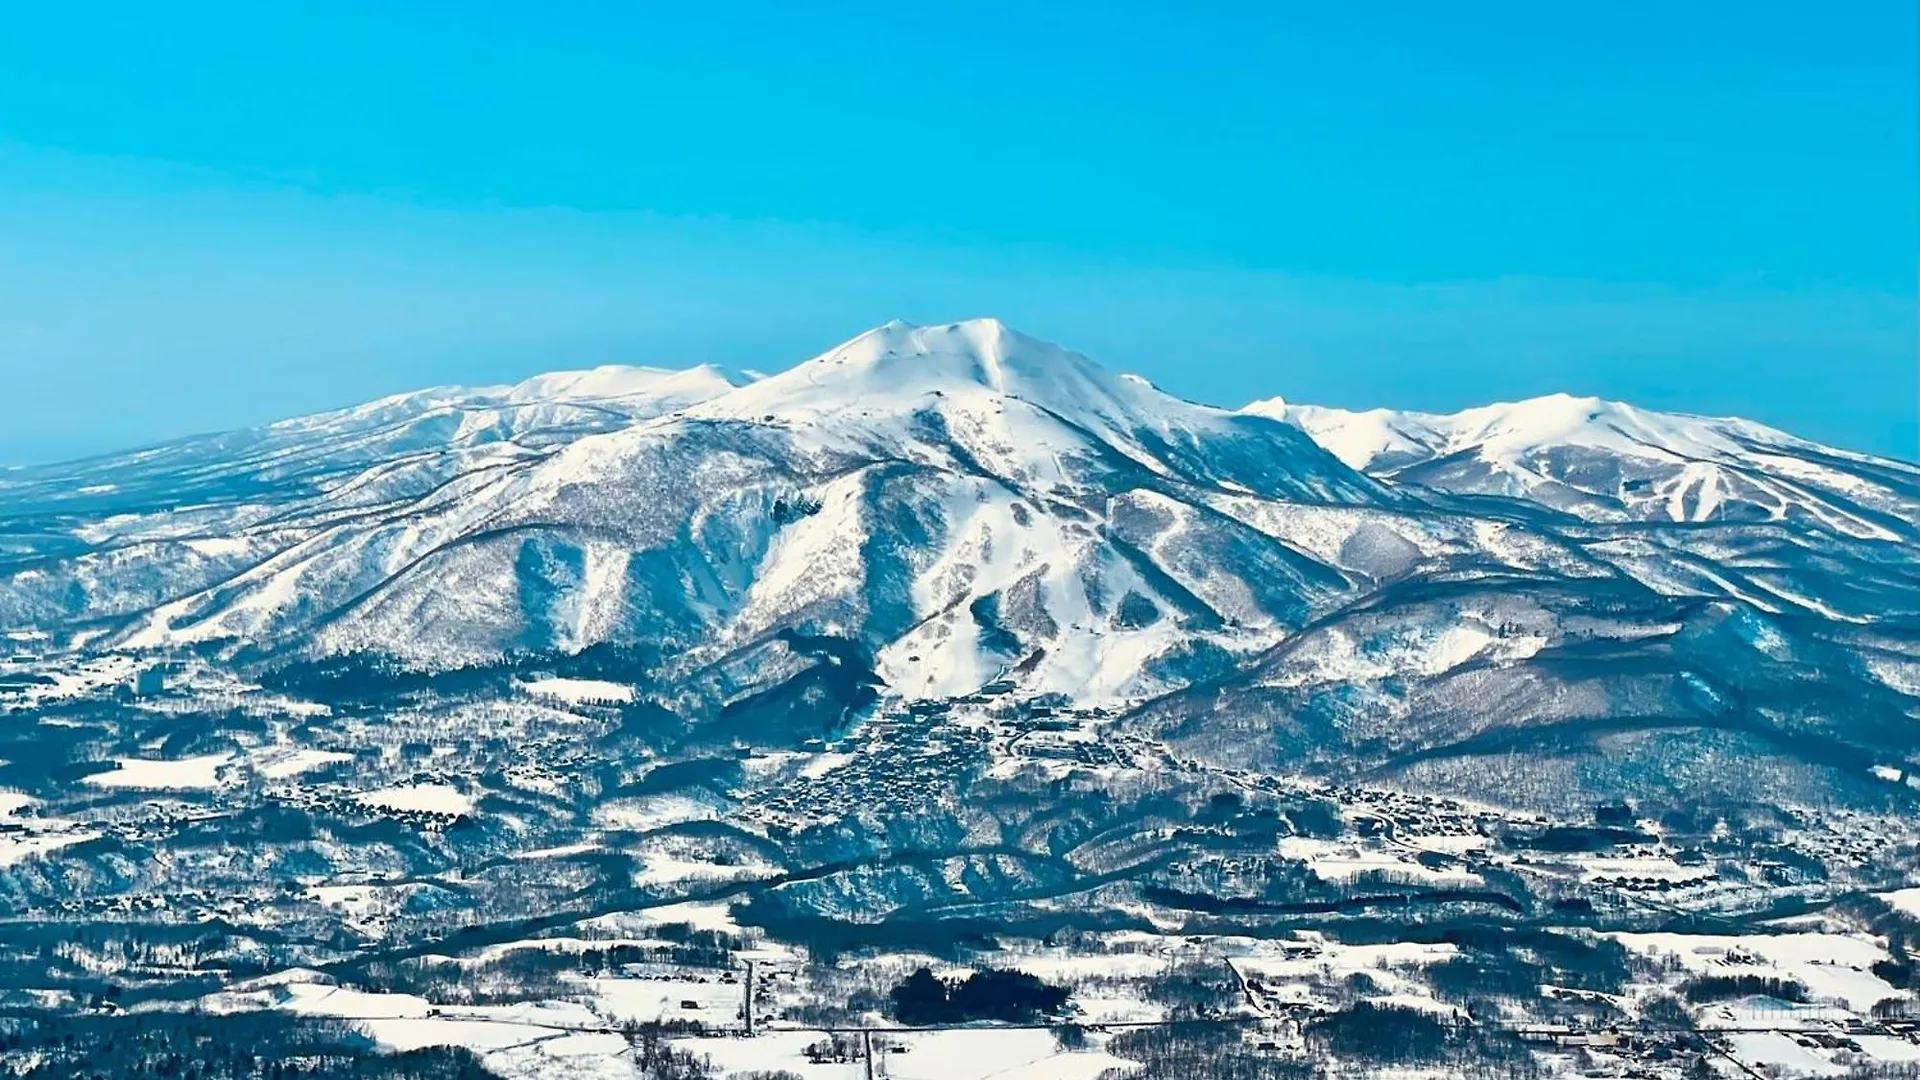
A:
[(216, 214)]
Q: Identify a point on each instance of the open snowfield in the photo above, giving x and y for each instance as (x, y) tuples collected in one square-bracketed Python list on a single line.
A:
[(670, 860), (536, 1041), (579, 691), (286, 762), (14, 848), (652, 812), (1776, 1050), (945, 1055), (1291, 971), (700, 915), (1652, 868), (420, 798), (1335, 861), (643, 1000), (574, 1040), (1833, 966), (1906, 901), (144, 774)]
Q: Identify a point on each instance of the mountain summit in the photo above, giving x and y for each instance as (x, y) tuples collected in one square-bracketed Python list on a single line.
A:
[(902, 362)]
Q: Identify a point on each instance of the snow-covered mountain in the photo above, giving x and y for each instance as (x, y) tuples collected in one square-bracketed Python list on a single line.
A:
[(1605, 460), (960, 500), (961, 505), (586, 691), (97, 540)]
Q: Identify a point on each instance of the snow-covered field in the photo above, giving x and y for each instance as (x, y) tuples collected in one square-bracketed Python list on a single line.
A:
[(1779, 1051), (700, 915), (943, 1055), (707, 1000), (579, 691), (579, 1033), (1344, 861), (14, 848), (192, 773), (420, 799), (581, 1038), (1651, 868), (1906, 901), (652, 812), (1297, 971), (24, 835), (1834, 967), (286, 762)]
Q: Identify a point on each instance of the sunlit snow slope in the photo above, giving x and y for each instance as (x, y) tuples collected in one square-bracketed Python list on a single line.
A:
[(1610, 461), (959, 506)]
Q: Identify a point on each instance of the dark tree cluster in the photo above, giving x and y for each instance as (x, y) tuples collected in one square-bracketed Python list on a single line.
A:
[(657, 1059), (1370, 1032), (196, 1046), (1195, 990), (1578, 838), (1513, 964), (1723, 987), (1211, 1050), (1374, 1034), (1009, 996), (1895, 972), (1205, 1051)]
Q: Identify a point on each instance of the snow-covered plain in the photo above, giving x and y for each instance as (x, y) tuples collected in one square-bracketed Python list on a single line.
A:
[(192, 773), (283, 763), (420, 798), (579, 691), (1834, 967)]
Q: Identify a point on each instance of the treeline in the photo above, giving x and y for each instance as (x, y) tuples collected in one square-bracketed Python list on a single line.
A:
[(197, 1046), (534, 974), (1722, 987), (1494, 965), (1374, 1034), (1203, 1051), (1198, 989), (266, 1046), (1364, 1035)]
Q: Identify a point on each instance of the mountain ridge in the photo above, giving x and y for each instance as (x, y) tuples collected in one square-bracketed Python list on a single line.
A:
[(965, 503), (1679, 467)]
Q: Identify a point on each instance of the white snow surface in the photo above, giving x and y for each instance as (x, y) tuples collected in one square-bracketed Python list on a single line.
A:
[(579, 691), (148, 774), (965, 502), (985, 1054), (286, 762), (1619, 459), (420, 798), (1833, 966), (1509, 429)]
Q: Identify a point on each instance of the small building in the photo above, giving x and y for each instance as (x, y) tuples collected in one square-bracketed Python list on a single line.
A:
[(151, 680)]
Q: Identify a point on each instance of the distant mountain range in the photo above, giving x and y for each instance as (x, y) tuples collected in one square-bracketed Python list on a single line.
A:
[(962, 506)]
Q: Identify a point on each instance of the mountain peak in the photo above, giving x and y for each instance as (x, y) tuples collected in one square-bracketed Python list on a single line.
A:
[(1608, 459), (1372, 438), (986, 344), (899, 363)]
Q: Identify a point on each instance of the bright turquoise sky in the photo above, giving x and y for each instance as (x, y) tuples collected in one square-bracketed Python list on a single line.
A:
[(214, 214)]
